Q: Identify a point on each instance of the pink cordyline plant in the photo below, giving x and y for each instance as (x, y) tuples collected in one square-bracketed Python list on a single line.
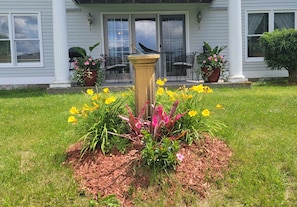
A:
[(160, 125), (161, 120)]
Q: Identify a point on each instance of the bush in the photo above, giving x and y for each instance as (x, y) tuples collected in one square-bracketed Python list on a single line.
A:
[(280, 48)]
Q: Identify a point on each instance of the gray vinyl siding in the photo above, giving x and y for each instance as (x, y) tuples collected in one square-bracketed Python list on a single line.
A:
[(45, 9)]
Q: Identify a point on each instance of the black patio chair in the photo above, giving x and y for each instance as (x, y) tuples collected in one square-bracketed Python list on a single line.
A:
[(75, 52), (184, 62), (115, 66)]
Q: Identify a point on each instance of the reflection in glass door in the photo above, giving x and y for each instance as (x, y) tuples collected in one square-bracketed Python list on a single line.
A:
[(145, 30), (173, 41), (145, 33), (117, 34), (117, 41)]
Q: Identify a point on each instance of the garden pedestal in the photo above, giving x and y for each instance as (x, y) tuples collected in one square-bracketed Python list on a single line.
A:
[(144, 70)]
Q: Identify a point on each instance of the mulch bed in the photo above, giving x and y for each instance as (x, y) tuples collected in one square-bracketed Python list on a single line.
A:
[(203, 163)]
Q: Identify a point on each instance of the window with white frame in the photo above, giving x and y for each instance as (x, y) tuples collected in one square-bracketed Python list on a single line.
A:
[(260, 22), (20, 42)]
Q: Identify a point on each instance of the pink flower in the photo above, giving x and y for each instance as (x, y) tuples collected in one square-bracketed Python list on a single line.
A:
[(180, 157), (87, 63), (210, 57), (204, 61), (93, 63), (222, 56), (216, 59), (214, 55)]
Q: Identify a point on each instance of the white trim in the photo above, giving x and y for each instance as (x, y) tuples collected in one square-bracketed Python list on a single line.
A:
[(265, 73), (26, 80)]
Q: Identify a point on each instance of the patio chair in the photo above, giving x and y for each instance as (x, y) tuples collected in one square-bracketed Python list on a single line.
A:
[(184, 62), (75, 52), (115, 67)]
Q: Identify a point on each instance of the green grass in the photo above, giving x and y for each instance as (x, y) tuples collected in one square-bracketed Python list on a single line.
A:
[(34, 135)]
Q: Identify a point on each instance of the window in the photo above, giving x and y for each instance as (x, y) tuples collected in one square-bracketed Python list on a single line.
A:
[(260, 22), (257, 25), (284, 20), (5, 55), (20, 43), (118, 36)]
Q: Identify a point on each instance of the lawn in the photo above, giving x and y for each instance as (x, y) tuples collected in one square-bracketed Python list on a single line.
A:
[(261, 132)]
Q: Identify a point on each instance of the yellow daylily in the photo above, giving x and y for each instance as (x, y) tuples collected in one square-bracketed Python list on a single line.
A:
[(186, 96), (207, 89), (96, 106), (205, 112), (160, 91), (192, 113), (171, 94), (161, 82), (90, 92), (74, 110), (72, 119), (219, 106), (197, 88), (110, 100), (105, 90), (86, 108), (96, 97)]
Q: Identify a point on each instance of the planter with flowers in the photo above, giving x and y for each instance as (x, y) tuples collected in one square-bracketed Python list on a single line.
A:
[(88, 70), (211, 63)]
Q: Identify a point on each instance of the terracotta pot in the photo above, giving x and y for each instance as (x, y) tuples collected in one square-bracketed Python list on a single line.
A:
[(90, 80), (211, 76)]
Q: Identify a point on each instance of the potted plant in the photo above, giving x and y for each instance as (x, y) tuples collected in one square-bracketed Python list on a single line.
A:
[(88, 70), (211, 63)]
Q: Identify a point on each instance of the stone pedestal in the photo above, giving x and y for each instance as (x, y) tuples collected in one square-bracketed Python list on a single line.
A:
[(144, 71)]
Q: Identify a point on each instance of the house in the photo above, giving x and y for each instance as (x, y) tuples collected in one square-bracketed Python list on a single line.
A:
[(35, 35)]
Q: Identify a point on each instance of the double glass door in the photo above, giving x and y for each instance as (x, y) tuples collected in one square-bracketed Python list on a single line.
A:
[(146, 33)]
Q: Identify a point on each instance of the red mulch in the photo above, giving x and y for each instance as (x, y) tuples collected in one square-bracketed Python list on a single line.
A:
[(114, 174)]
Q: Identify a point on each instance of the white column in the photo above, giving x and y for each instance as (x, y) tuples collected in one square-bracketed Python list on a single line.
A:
[(235, 42), (60, 45)]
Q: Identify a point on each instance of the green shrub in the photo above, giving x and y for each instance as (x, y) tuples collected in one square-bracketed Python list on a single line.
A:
[(280, 48), (160, 155)]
